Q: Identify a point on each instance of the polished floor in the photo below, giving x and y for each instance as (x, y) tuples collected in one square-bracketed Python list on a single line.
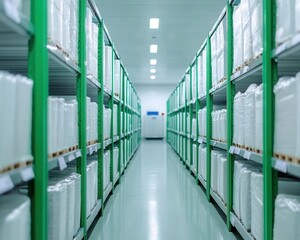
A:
[(158, 199)]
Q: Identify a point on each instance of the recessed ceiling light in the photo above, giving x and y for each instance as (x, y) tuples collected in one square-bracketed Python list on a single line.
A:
[(153, 62), (153, 48), (152, 77), (154, 23), (152, 70)]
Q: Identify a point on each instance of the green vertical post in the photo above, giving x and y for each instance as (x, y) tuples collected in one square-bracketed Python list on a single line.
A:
[(269, 77), (229, 99), (111, 106), (197, 125), (38, 56), (119, 127), (209, 104), (191, 119), (185, 123), (100, 111), (81, 98)]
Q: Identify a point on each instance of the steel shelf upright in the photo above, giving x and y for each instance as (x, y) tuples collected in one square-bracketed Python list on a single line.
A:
[(38, 56)]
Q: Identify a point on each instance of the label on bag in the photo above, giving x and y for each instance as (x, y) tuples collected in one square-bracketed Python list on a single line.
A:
[(6, 184), (91, 150), (71, 157), (201, 140), (11, 11), (281, 166), (231, 149), (27, 174), (247, 155), (215, 143), (237, 151), (62, 163), (78, 154), (96, 148)]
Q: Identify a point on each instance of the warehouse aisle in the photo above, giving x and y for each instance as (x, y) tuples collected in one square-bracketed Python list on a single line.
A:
[(158, 199)]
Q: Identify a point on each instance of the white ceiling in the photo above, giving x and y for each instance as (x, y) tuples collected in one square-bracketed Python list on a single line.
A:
[(184, 25)]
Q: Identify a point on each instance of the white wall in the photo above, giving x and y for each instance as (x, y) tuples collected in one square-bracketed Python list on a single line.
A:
[(154, 97)]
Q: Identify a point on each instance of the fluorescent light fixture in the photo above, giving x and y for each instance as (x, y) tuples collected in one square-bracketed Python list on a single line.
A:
[(152, 70), (153, 62), (153, 48), (152, 77), (154, 23)]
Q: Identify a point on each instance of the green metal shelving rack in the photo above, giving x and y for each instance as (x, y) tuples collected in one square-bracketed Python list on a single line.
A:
[(267, 68), (41, 62)]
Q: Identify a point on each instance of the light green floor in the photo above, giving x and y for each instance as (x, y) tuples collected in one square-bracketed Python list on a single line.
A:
[(158, 199)]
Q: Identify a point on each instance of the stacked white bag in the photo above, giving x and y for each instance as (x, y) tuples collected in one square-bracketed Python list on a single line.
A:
[(91, 44), (92, 186), (108, 60), (15, 218), (91, 120), (106, 169), (247, 29), (194, 127), (63, 26), (287, 116), (202, 161), (16, 119), (118, 76), (188, 86), (62, 124), (202, 122), (219, 127), (107, 123), (64, 204), (115, 114), (194, 82), (202, 74), (287, 217), (194, 156), (116, 161), (218, 55), (247, 118), (287, 19)]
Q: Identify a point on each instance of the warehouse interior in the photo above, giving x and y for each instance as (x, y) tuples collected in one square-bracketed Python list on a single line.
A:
[(139, 119)]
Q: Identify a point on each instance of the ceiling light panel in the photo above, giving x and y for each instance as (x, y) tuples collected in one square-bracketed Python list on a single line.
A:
[(152, 70), (153, 62), (152, 77), (154, 23), (153, 48)]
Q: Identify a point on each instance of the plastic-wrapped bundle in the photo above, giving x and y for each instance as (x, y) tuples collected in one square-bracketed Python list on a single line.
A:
[(115, 114), (117, 79), (250, 116), (236, 187), (116, 161), (121, 154), (297, 15), (52, 124), (239, 119), (214, 59), (188, 86), (8, 114), (257, 205), (256, 26), (195, 156), (203, 163), (15, 220), (107, 123), (94, 121), (286, 99), (285, 20), (194, 127), (247, 36), (222, 180), (220, 52), (71, 124), (194, 82), (60, 124), (74, 29), (88, 119), (57, 211), (223, 124), (258, 118), (214, 170), (188, 124), (287, 217), (189, 150), (238, 58), (106, 169), (55, 22), (66, 18), (108, 68)]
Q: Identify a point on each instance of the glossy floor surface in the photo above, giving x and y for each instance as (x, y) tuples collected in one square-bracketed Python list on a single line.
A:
[(158, 199)]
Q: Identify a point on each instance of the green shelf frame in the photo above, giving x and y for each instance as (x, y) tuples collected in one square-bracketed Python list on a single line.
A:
[(265, 70), (42, 61)]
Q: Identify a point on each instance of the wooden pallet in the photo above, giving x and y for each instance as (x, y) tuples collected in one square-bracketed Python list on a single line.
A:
[(15, 166), (221, 80), (287, 158), (56, 154), (239, 146), (91, 142), (258, 151), (250, 149)]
